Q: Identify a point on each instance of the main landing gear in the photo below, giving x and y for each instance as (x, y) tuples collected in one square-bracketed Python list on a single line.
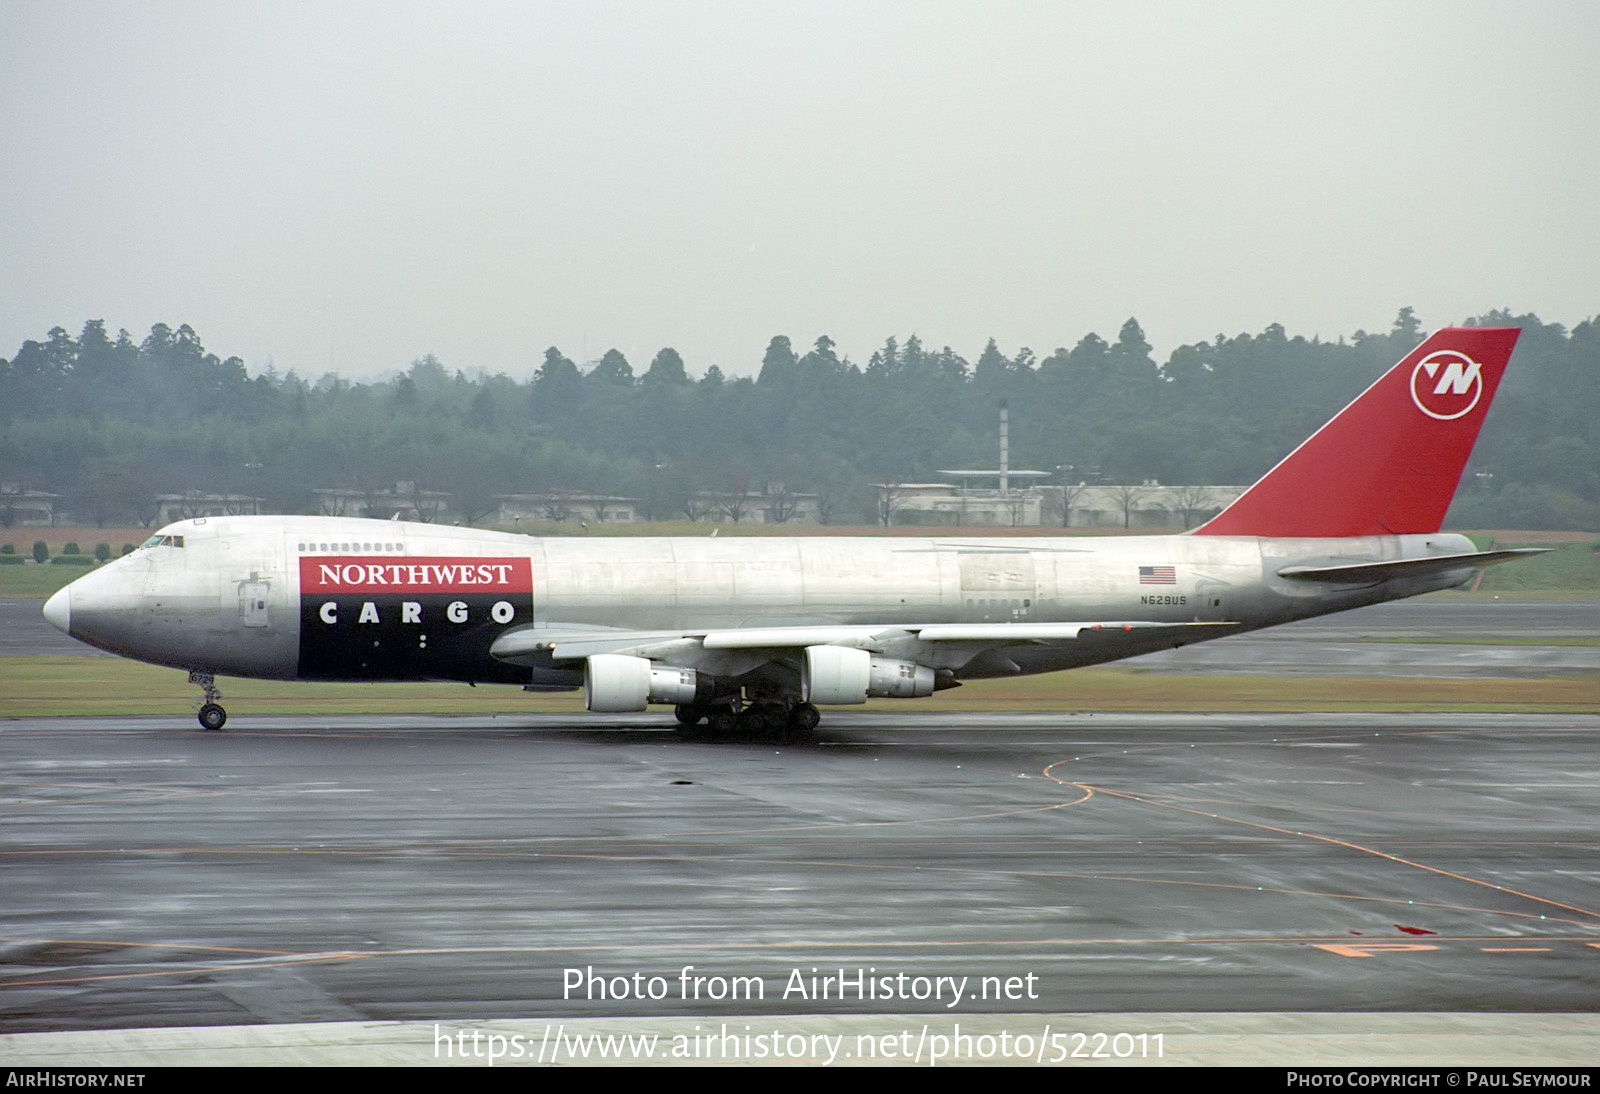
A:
[(756, 719), (212, 716)]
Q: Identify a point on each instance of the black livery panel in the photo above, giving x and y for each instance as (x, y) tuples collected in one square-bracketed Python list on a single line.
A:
[(365, 617)]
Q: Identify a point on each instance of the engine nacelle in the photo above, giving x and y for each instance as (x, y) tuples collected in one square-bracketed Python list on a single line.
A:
[(892, 679), (614, 683), (835, 675), (838, 675)]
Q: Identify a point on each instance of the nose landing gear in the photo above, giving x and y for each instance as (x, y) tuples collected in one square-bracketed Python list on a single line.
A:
[(212, 716)]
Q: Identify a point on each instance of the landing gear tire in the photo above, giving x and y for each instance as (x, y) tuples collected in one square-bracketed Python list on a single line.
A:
[(756, 720), (688, 714), (804, 718), (723, 720), (212, 716)]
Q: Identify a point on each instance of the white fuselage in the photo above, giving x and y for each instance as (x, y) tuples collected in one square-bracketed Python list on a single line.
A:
[(284, 597)]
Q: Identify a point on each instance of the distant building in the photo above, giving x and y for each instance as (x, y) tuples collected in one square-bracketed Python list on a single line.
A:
[(777, 504), (957, 503), (1013, 502), (1145, 505), (187, 506), (567, 505), (26, 508), (403, 502)]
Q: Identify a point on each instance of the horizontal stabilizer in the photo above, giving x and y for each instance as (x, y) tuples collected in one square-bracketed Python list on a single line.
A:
[(1367, 573)]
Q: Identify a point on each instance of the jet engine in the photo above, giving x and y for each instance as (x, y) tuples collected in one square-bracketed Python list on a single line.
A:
[(615, 683), (840, 675)]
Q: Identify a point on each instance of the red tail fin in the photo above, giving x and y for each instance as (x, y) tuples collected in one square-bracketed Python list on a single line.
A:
[(1388, 464)]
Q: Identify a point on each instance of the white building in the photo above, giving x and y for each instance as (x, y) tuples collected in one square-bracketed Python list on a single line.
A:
[(566, 505), (403, 502), (194, 503), (958, 503), (1144, 505), (777, 504), (26, 508)]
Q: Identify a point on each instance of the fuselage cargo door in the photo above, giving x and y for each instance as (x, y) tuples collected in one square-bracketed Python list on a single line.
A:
[(997, 586), (254, 595)]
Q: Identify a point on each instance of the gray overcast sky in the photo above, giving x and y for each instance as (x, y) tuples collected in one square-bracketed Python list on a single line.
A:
[(352, 185)]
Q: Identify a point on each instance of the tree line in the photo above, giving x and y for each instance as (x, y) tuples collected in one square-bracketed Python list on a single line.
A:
[(110, 422)]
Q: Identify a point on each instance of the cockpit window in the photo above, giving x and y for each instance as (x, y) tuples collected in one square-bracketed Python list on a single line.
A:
[(162, 541)]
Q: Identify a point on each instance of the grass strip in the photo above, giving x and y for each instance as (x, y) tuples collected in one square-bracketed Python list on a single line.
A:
[(45, 686)]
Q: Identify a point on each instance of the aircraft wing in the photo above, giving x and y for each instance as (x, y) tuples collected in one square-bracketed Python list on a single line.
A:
[(944, 643), (538, 644)]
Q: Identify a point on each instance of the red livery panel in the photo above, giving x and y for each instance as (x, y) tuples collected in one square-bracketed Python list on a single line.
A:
[(375, 574), (1389, 463)]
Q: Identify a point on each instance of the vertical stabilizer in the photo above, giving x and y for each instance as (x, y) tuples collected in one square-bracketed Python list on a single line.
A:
[(1388, 464)]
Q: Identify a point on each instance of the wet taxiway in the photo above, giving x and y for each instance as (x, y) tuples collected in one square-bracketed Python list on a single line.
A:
[(437, 869), (327, 889)]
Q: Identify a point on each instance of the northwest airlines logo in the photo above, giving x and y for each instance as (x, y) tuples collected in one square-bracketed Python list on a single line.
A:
[(1446, 384), (358, 574)]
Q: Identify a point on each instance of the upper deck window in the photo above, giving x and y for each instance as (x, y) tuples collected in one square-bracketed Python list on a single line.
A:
[(336, 548)]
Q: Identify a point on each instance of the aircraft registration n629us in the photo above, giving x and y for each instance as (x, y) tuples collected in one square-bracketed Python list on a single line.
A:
[(756, 633)]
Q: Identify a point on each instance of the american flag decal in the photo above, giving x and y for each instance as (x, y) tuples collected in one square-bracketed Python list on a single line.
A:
[(1158, 575)]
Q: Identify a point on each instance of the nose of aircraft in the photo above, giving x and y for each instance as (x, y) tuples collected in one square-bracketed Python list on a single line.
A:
[(105, 607), (58, 610)]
